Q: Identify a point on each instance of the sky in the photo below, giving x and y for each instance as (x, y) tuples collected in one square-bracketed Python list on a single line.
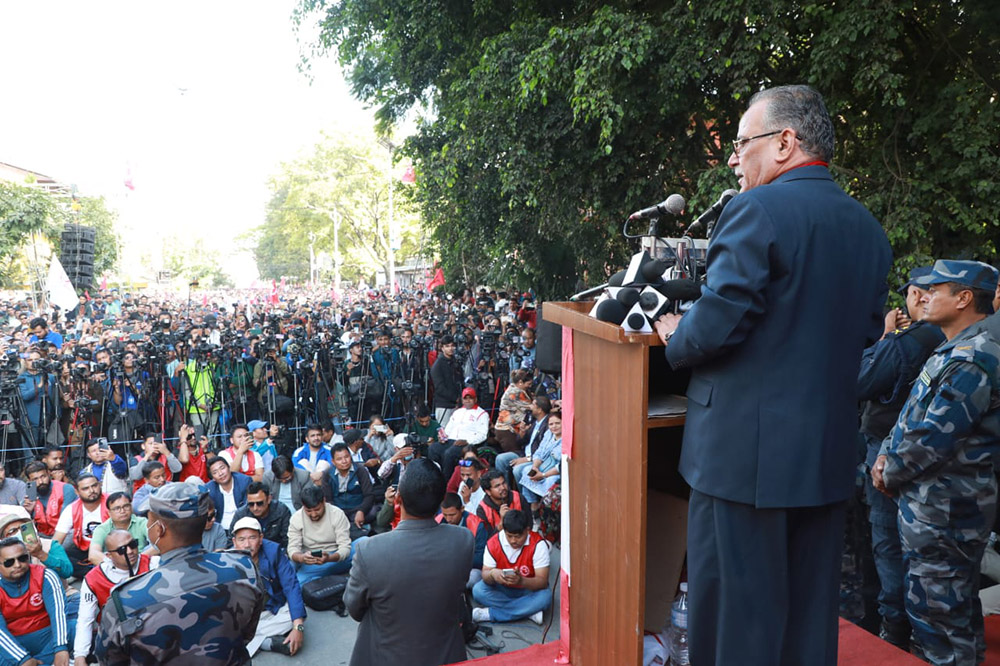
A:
[(198, 101)]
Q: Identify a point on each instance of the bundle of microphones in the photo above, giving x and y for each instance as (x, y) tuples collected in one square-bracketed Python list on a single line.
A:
[(637, 296)]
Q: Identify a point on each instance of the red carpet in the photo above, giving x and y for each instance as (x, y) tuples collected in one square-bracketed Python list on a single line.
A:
[(992, 641), (857, 648)]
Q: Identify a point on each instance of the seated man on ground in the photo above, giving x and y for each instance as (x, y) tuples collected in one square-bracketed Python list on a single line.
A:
[(109, 467), (43, 551), (271, 515), (33, 623), (319, 538), (215, 537), (12, 491), (281, 623), (153, 449), (349, 488), (80, 519), (497, 500), (227, 489), (240, 454), (313, 456), (121, 562), (51, 498), (286, 482), (471, 490), (122, 518), (155, 475), (515, 574), (453, 513)]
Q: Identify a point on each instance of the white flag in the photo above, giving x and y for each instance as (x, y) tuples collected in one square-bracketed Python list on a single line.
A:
[(58, 286)]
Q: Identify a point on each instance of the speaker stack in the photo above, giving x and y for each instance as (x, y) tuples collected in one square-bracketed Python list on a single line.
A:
[(77, 254)]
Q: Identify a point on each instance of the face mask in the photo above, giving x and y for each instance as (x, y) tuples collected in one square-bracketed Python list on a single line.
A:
[(155, 543)]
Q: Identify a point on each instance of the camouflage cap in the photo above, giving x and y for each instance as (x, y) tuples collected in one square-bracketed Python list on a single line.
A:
[(974, 274), (914, 278), (180, 500)]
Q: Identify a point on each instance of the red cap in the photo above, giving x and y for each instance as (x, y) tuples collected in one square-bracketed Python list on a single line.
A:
[(469, 391)]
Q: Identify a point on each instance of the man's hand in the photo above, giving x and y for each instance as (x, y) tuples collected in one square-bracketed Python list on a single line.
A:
[(274, 431), (32, 662), (359, 518), (294, 640), (35, 550), (507, 580), (666, 325), (80, 661), (306, 558), (61, 658), (372, 462), (877, 479), (465, 491), (390, 494), (402, 453), (504, 508), (896, 318)]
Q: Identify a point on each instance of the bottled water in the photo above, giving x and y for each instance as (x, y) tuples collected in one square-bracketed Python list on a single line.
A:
[(678, 629)]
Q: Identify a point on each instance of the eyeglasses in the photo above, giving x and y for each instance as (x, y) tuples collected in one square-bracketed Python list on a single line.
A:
[(121, 508), (739, 143), (261, 503), (131, 545), (9, 562)]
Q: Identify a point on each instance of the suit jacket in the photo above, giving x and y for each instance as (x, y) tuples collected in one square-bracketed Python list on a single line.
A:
[(240, 484), (406, 589), (796, 283), (300, 478)]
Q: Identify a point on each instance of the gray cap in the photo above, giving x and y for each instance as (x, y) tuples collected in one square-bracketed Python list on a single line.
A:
[(180, 500), (973, 274)]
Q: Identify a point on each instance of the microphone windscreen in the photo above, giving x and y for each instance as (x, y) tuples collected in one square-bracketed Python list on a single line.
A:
[(628, 296), (648, 300), (653, 271), (611, 310), (636, 320), (617, 279), (674, 205), (680, 290)]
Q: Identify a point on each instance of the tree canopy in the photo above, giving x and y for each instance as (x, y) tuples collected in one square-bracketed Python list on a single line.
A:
[(547, 122)]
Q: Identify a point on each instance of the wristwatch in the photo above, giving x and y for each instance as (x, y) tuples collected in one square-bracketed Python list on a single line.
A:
[(300, 627)]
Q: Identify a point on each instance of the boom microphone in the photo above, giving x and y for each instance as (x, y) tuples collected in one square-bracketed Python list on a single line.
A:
[(611, 310), (712, 214), (672, 205), (680, 290)]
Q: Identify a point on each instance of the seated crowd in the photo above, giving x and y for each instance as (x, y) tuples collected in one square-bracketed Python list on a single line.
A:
[(66, 541)]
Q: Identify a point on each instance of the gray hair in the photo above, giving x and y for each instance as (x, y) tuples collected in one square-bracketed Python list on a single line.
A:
[(800, 108)]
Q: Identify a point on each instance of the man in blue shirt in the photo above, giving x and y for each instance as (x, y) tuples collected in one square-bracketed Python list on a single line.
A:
[(281, 627), (40, 329)]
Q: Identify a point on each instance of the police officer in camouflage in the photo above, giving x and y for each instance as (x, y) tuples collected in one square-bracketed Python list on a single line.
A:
[(888, 369), (196, 608), (939, 461)]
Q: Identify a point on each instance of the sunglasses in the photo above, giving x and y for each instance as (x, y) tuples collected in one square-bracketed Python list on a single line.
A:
[(9, 562), (466, 462), (256, 503), (131, 545)]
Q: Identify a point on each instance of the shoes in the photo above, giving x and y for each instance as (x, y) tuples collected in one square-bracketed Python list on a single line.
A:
[(279, 645), (896, 633), (480, 614), (536, 618)]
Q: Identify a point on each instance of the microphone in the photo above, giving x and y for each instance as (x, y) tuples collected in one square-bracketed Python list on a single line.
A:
[(672, 205), (712, 214), (680, 290), (636, 321), (617, 279), (628, 296), (648, 301), (652, 272), (611, 310)]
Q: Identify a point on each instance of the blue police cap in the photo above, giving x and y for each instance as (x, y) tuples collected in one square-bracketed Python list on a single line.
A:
[(974, 274), (915, 275), (180, 500)]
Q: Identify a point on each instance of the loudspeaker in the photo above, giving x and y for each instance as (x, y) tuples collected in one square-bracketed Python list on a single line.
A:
[(548, 345), (77, 254)]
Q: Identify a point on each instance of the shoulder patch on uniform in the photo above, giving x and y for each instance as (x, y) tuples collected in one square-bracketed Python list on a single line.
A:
[(925, 378)]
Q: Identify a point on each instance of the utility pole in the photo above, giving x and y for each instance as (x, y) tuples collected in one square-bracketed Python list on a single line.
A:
[(391, 147)]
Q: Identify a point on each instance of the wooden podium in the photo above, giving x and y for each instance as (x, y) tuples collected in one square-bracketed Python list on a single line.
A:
[(612, 543)]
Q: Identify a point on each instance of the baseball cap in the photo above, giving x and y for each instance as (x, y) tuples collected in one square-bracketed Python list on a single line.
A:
[(974, 274), (915, 275), (399, 441), (180, 500), (469, 391), (246, 523), (253, 425)]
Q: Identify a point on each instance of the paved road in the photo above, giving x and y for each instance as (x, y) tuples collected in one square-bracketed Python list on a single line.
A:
[(329, 638)]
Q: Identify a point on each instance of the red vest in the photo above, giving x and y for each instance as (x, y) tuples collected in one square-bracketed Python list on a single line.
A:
[(101, 585), (46, 517), (195, 466), (471, 521), (525, 560), (248, 460), (168, 475), (26, 613), (396, 512), (82, 542), (492, 517)]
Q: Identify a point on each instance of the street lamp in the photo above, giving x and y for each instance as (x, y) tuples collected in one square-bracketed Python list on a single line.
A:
[(391, 147)]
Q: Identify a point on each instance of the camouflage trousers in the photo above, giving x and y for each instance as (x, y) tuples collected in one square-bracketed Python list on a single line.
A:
[(942, 585)]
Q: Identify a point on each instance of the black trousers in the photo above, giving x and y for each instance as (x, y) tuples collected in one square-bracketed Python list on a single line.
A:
[(763, 584)]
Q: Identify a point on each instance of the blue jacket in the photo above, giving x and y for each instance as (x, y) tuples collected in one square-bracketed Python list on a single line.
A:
[(302, 453), (796, 283), (279, 576), (240, 484)]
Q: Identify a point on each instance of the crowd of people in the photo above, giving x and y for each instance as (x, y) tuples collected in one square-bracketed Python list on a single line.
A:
[(148, 433)]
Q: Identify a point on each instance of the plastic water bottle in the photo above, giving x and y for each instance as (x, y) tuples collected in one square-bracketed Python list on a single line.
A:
[(679, 629)]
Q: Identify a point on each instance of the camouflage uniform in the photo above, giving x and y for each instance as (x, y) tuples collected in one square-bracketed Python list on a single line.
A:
[(196, 608), (940, 459)]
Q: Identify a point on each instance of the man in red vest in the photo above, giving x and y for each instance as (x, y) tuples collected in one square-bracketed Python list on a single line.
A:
[(454, 513), (498, 498), (122, 561), (240, 454), (515, 573), (33, 625), (50, 497), (80, 518)]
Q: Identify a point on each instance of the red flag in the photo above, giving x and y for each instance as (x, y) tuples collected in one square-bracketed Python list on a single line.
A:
[(437, 280), (104, 283), (274, 292)]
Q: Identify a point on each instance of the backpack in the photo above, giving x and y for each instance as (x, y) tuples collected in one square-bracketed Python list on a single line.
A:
[(326, 593)]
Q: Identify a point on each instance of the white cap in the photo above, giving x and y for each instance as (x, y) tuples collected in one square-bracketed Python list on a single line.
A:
[(247, 523), (399, 441)]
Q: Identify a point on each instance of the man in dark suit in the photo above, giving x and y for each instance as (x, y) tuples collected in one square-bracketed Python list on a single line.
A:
[(795, 289), (410, 614)]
